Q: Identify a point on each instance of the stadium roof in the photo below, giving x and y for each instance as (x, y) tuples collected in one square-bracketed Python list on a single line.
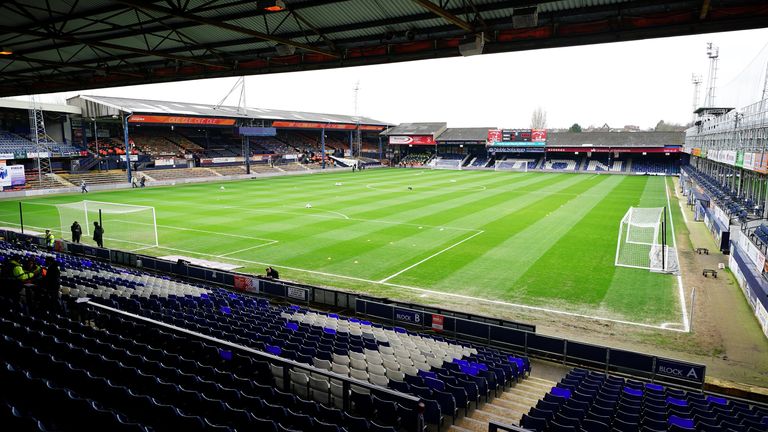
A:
[(433, 129), (615, 139), (28, 105), (60, 45), (464, 134), (101, 106)]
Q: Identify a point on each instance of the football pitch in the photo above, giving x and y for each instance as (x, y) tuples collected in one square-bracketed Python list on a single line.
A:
[(534, 240)]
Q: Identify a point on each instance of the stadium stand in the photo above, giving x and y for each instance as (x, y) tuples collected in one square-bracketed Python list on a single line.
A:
[(478, 162), (729, 201), (109, 146), (128, 373), (95, 177), (595, 402), (49, 181), (655, 165), (598, 163), (155, 145), (180, 173), (229, 170), (561, 164), (516, 164), (10, 142), (289, 166), (14, 143), (415, 159), (448, 161)]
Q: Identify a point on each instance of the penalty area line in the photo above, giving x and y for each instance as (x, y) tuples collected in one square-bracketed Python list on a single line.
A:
[(247, 249), (430, 257), (664, 326)]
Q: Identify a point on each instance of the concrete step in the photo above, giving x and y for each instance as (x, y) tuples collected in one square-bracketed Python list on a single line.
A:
[(486, 417), (455, 428), (538, 382), (472, 424), (511, 405)]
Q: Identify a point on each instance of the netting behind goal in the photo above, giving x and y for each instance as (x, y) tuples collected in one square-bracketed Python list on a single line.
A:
[(641, 243), (125, 225)]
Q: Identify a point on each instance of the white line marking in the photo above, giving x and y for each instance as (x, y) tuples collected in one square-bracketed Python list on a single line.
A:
[(680, 289), (202, 231), (430, 257), (682, 210), (378, 221), (437, 293), (248, 248)]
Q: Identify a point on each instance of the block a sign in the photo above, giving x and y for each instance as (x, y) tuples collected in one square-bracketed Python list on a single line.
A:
[(680, 370)]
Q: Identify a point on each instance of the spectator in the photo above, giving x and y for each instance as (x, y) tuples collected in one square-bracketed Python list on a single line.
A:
[(142, 181), (51, 284), (32, 272), (13, 276), (134, 182), (83, 187), (98, 234), (77, 231), (50, 240), (272, 273)]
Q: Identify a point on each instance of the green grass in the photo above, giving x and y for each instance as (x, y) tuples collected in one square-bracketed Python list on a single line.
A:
[(545, 240)]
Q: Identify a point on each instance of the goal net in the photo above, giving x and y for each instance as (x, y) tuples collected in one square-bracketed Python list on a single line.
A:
[(124, 225), (642, 239)]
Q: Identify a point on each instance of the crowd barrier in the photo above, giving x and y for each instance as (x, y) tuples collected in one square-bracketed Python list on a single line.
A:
[(506, 335)]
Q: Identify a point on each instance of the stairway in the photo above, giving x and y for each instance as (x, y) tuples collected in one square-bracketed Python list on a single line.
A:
[(507, 408)]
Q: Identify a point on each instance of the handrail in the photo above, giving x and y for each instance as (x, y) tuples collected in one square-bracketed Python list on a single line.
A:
[(494, 426)]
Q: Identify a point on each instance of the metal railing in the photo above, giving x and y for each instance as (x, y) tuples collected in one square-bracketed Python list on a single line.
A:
[(287, 365)]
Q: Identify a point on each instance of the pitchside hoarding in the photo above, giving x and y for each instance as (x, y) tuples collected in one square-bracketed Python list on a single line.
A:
[(12, 175)]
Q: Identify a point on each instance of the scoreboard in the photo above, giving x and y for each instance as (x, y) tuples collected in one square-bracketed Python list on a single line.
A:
[(516, 135)]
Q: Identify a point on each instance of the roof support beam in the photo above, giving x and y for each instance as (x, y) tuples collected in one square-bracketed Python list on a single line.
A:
[(444, 14), (111, 46), (231, 27)]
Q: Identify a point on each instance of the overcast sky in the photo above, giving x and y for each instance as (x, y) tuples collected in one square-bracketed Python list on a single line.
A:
[(636, 83)]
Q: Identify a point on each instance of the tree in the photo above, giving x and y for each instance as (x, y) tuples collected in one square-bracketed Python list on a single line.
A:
[(575, 128), (663, 126), (539, 119)]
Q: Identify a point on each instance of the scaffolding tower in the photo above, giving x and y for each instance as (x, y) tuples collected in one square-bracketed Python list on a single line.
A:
[(40, 139)]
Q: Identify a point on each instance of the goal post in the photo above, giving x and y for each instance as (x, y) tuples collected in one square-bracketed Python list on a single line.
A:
[(125, 225), (642, 241)]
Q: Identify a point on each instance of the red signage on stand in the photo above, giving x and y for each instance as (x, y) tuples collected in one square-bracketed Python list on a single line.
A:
[(437, 322), (412, 139)]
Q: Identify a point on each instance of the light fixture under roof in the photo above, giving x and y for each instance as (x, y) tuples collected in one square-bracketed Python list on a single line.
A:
[(6, 51), (273, 5)]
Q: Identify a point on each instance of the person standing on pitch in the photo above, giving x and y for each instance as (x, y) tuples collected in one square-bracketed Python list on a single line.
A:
[(77, 231), (83, 187), (98, 234)]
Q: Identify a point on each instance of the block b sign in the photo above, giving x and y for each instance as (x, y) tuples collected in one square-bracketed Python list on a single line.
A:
[(409, 316)]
